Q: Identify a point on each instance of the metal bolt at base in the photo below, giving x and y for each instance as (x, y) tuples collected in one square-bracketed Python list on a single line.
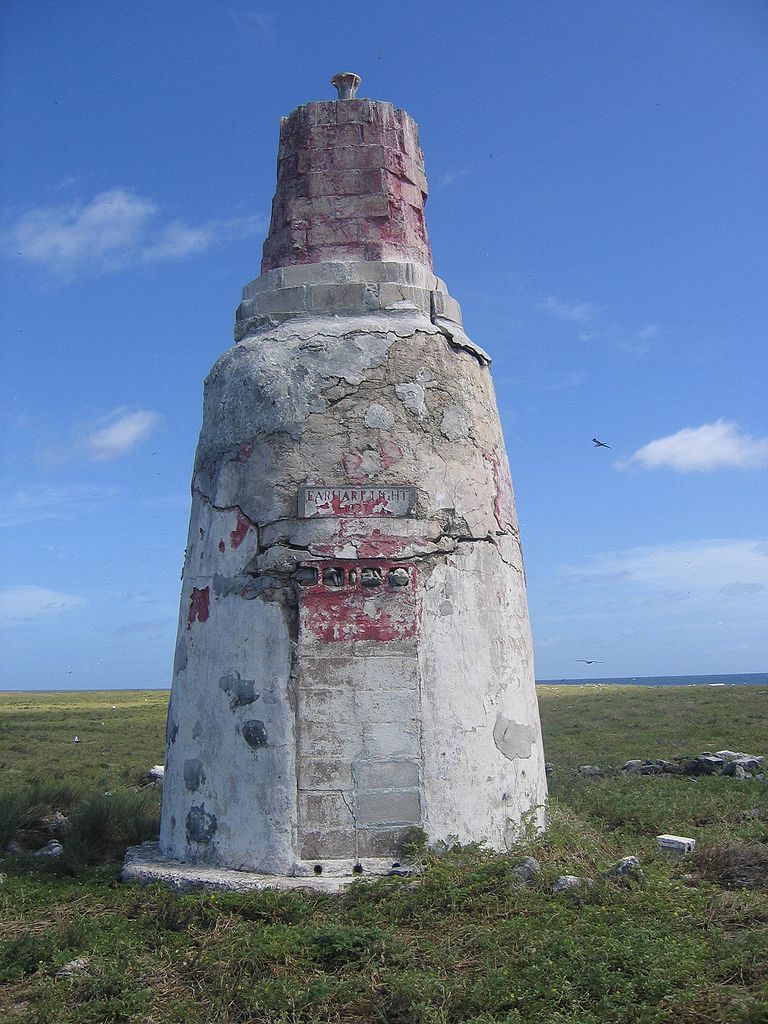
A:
[(347, 84)]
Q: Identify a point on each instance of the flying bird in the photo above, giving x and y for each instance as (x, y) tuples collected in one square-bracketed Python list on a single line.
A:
[(599, 444)]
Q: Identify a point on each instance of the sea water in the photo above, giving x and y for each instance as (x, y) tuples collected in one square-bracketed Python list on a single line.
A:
[(739, 679)]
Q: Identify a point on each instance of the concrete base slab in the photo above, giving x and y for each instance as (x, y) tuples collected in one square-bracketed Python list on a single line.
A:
[(145, 864)]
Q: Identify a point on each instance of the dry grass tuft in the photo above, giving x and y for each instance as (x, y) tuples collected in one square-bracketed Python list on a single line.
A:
[(733, 867)]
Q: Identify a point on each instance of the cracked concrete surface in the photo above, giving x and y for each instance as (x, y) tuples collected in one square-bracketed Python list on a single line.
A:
[(378, 400)]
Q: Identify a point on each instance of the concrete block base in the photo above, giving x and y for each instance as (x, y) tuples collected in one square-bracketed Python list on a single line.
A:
[(145, 864)]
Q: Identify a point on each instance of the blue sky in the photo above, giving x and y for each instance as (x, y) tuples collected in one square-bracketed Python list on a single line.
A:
[(598, 207)]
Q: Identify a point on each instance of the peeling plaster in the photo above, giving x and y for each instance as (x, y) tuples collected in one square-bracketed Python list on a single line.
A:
[(379, 417), (412, 397), (201, 826), (241, 692), (455, 423), (254, 733), (194, 774), (513, 739)]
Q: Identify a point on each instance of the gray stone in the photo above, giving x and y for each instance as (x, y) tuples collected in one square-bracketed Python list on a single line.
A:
[(631, 766), (570, 884), (704, 764), (329, 842), (52, 848), (412, 397), (590, 769), (526, 870), (710, 760), (379, 417), (80, 965), (626, 866), (746, 763), (386, 774), (446, 307), (455, 423), (388, 807)]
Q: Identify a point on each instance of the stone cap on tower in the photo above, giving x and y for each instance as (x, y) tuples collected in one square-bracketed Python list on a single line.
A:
[(348, 236), (351, 185)]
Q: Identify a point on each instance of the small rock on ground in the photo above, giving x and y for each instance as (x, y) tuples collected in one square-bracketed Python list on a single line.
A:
[(51, 849), (625, 866), (79, 965), (570, 883), (526, 870)]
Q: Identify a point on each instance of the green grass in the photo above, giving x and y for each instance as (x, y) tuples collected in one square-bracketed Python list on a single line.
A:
[(460, 944), (121, 735), (608, 725)]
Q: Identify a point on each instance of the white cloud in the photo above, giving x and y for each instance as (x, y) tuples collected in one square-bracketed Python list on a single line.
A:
[(579, 312), (22, 604), (124, 432), (114, 229), (692, 566), (647, 332), (37, 504), (448, 177), (178, 240), (255, 23), (719, 445)]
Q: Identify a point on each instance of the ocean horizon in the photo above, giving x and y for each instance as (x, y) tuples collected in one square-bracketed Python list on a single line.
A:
[(732, 679)]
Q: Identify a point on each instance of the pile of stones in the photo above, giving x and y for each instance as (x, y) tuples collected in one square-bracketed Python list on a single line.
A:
[(526, 872), (729, 763)]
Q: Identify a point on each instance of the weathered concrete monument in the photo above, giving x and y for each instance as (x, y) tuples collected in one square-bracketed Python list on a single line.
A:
[(353, 656)]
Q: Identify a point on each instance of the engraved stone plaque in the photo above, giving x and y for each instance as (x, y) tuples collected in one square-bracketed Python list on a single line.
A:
[(353, 502)]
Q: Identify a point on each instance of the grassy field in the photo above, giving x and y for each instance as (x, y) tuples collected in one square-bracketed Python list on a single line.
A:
[(459, 944)]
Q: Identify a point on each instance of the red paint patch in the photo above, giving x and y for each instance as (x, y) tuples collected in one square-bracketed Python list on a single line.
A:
[(389, 451), (198, 606), (504, 498), (354, 612), (237, 536), (352, 463), (222, 546), (379, 545)]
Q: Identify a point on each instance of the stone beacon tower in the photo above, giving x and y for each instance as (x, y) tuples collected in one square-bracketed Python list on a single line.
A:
[(353, 657)]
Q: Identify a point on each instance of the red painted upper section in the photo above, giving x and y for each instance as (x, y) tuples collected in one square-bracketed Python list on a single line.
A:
[(350, 186)]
